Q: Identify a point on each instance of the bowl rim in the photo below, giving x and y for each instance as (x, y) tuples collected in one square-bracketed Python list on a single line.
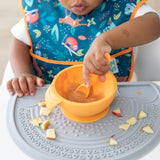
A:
[(79, 103)]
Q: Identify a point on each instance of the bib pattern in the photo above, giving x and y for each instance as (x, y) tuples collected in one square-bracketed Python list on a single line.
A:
[(58, 34)]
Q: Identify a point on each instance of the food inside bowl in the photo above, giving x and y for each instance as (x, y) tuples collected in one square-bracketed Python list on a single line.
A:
[(75, 96)]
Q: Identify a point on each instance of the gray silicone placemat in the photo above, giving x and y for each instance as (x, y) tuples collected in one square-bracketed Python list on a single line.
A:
[(88, 141)]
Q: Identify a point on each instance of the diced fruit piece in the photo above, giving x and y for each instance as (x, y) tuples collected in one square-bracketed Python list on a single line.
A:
[(142, 114), (51, 134), (117, 112), (45, 112), (147, 129), (40, 121), (35, 122), (42, 104), (124, 126), (45, 124), (112, 141), (132, 121)]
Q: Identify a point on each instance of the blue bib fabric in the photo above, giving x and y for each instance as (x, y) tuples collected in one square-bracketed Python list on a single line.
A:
[(58, 34)]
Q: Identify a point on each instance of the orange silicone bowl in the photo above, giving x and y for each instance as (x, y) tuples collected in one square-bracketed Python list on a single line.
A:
[(84, 112)]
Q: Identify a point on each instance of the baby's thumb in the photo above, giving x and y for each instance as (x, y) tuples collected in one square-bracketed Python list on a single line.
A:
[(39, 82)]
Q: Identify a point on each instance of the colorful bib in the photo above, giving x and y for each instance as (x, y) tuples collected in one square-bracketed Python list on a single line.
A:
[(60, 38)]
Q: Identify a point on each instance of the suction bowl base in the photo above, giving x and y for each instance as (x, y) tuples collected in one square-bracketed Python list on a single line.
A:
[(85, 119)]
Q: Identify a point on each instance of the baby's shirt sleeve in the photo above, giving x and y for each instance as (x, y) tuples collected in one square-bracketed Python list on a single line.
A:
[(19, 32), (145, 8)]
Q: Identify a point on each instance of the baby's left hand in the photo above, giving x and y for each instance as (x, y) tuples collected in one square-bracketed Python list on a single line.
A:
[(94, 61)]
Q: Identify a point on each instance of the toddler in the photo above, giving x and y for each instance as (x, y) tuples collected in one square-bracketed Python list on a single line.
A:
[(56, 34)]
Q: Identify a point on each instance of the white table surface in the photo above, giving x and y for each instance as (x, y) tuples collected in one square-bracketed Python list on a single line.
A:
[(9, 150)]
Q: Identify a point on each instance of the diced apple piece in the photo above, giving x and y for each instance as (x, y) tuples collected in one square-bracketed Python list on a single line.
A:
[(45, 124), (117, 112), (132, 121), (51, 134), (147, 129), (42, 104), (35, 122), (124, 126), (112, 141), (142, 114), (45, 112), (40, 121)]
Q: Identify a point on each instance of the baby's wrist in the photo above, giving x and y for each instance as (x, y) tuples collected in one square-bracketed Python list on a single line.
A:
[(21, 73), (108, 42)]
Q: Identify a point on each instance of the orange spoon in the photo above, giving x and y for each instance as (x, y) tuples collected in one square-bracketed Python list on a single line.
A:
[(82, 89)]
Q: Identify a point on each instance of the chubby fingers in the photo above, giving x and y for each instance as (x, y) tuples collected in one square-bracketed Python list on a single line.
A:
[(96, 64), (97, 68), (39, 81), (85, 73), (13, 85), (31, 81), (10, 87), (24, 85), (31, 85)]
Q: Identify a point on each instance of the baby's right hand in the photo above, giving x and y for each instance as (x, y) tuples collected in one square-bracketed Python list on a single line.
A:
[(24, 84)]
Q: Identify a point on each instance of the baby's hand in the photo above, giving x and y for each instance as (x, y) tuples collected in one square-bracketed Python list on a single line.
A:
[(94, 61), (24, 84)]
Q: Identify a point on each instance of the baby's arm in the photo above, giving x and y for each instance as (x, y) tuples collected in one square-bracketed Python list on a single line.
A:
[(24, 81), (135, 32)]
